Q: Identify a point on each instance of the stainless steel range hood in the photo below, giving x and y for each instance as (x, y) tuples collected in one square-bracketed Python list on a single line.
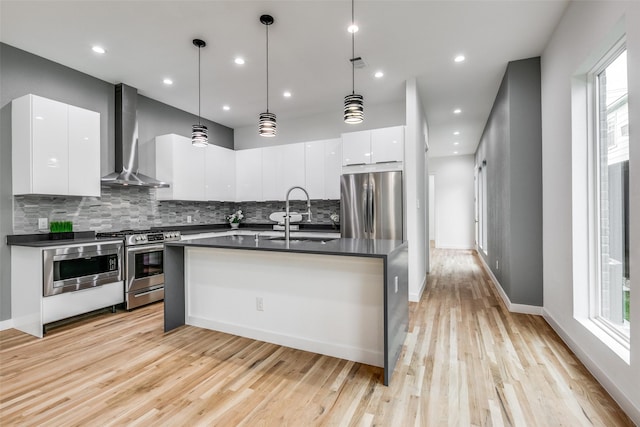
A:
[(127, 143)]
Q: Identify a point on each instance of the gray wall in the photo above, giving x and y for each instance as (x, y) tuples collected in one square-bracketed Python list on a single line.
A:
[(511, 144), (22, 73)]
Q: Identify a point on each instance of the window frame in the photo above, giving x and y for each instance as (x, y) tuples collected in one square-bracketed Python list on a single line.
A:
[(593, 196)]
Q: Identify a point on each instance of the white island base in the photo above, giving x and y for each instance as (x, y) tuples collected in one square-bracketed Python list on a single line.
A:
[(346, 298), (332, 305)]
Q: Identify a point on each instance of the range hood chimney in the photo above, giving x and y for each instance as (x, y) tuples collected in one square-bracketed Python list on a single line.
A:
[(127, 143)]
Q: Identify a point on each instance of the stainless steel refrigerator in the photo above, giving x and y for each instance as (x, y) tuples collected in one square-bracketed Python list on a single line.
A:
[(371, 205)]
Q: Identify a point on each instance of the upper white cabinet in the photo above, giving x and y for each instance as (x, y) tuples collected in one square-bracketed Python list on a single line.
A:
[(220, 174), (249, 175), (387, 145), (332, 168), (55, 148), (181, 165), (84, 152), (323, 168), (283, 167), (373, 146)]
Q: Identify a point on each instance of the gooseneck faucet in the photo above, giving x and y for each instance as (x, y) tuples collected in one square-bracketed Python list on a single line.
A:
[(287, 216)]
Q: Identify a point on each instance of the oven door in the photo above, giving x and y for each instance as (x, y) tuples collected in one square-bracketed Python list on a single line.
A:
[(145, 267), (72, 268)]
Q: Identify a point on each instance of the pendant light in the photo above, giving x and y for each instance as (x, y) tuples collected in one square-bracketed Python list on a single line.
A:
[(267, 122), (199, 134), (353, 103)]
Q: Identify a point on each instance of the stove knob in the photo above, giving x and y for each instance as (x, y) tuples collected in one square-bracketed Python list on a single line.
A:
[(144, 237), (138, 238)]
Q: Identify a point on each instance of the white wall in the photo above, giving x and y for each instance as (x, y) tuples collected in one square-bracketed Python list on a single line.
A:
[(417, 201), (432, 207), (582, 31), (454, 201), (325, 125)]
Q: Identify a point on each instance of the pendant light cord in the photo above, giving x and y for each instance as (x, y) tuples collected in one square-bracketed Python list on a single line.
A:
[(267, 29), (199, 49), (353, 51)]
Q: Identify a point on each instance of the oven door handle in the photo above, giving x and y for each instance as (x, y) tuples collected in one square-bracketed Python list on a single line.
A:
[(144, 248)]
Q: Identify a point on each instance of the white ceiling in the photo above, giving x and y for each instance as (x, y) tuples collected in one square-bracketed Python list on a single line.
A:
[(309, 52)]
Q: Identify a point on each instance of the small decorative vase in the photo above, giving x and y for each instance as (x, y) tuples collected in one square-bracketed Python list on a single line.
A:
[(234, 225)]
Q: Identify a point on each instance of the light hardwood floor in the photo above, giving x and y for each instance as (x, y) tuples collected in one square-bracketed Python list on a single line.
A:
[(467, 361)]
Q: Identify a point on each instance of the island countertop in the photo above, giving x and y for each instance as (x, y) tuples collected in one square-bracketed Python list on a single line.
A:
[(314, 245)]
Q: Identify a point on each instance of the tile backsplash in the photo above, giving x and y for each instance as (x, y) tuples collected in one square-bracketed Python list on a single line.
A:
[(121, 208)]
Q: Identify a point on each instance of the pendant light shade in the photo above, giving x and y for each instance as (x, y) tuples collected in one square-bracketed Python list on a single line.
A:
[(199, 132), (353, 103), (267, 121)]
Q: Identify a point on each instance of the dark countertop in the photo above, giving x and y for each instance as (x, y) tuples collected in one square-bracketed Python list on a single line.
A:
[(208, 228), (62, 242), (339, 246)]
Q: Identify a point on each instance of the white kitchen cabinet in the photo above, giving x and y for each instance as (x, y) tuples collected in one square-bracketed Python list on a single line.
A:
[(84, 151), (314, 168), (282, 168), (220, 174), (249, 175), (50, 154), (356, 148), (332, 168), (387, 145), (181, 165), (323, 168), (373, 146)]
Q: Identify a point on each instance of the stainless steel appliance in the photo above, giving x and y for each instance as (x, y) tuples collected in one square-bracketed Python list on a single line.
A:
[(72, 268), (144, 264), (371, 205)]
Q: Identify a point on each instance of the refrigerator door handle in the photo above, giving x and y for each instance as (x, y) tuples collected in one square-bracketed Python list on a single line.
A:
[(365, 208), (372, 211)]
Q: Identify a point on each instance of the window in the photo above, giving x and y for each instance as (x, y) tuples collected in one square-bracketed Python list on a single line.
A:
[(609, 183)]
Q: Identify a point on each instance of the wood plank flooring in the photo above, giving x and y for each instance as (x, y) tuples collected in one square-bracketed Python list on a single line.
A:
[(467, 362)]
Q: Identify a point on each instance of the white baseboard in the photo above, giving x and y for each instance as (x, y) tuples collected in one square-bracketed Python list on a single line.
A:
[(362, 355), (513, 308), (439, 246), (609, 385), (415, 296), (6, 324)]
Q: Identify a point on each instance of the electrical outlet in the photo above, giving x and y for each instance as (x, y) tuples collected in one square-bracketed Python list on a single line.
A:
[(259, 304), (395, 279), (43, 224), (189, 219)]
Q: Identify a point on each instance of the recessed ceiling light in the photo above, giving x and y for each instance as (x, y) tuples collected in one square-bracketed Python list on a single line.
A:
[(378, 74), (239, 61), (286, 94), (459, 58), (167, 81), (353, 28), (457, 111), (456, 132), (456, 143), (455, 152), (98, 49), (226, 107)]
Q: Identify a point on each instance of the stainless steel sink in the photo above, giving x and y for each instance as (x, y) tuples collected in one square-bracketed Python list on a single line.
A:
[(303, 239)]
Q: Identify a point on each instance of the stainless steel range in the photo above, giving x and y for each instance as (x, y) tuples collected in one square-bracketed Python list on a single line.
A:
[(143, 266)]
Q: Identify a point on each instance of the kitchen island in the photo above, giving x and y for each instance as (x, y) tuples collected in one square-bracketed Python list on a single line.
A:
[(346, 298)]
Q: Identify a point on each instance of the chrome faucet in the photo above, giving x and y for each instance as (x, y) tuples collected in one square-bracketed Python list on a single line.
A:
[(287, 216)]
